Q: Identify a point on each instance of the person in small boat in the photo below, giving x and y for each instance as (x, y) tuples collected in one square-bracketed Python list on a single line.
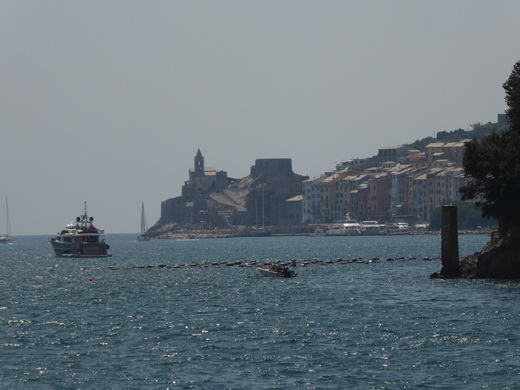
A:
[(286, 271)]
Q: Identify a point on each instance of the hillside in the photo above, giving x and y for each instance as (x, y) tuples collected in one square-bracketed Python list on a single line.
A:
[(478, 131)]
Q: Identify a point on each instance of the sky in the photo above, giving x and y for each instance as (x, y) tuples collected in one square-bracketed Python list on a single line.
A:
[(107, 102)]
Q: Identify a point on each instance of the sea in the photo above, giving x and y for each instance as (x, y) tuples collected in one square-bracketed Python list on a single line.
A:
[(197, 314)]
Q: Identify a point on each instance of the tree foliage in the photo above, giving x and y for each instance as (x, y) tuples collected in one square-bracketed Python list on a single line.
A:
[(478, 131), (481, 130), (492, 166), (468, 217), (512, 88)]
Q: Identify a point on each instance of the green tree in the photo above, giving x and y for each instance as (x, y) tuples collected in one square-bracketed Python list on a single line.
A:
[(512, 88), (468, 217), (493, 167)]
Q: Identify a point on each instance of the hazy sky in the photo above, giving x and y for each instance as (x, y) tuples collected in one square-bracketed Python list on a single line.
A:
[(108, 101)]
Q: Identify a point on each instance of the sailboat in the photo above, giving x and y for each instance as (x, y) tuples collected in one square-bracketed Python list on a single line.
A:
[(5, 239), (144, 226)]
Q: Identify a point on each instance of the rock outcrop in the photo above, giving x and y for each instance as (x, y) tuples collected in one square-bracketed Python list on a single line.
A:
[(499, 259)]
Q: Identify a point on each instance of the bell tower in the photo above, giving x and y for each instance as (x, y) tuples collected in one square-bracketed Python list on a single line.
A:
[(199, 164)]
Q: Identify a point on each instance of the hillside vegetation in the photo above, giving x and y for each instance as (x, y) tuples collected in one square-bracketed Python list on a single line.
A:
[(478, 131)]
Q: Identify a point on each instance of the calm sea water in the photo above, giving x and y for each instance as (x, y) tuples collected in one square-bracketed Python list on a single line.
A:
[(77, 324)]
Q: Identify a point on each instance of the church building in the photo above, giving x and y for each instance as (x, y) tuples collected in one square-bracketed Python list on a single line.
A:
[(192, 206), (203, 180)]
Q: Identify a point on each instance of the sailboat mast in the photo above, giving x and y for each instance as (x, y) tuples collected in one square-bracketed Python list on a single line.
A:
[(263, 209), (8, 224), (142, 218), (144, 224)]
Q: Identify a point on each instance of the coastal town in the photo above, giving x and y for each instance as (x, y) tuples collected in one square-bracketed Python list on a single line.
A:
[(398, 190)]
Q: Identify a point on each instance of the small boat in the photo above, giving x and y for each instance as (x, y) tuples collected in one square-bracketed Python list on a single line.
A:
[(319, 231), (144, 226), (5, 238), (80, 239), (371, 228), (347, 227), (276, 270), (397, 229)]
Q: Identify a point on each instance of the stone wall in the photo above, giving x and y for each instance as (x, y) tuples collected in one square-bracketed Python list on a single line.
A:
[(272, 168)]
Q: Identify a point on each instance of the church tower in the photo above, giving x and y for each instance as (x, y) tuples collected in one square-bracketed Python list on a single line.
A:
[(199, 164)]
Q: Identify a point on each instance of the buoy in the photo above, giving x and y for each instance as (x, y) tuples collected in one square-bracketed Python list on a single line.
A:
[(90, 279)]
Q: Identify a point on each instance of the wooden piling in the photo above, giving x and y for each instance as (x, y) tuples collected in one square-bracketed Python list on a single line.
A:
[(450, 242)]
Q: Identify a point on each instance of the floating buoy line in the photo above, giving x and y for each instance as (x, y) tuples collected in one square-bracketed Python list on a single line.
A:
[(254, 263)]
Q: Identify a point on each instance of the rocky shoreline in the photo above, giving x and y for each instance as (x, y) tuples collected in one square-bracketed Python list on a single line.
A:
[(497, 260)]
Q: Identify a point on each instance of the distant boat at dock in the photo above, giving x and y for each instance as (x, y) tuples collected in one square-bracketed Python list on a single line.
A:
[(397, 229), (346, 227), (350, 227)]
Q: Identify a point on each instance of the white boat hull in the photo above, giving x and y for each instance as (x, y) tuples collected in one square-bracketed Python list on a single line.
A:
[(345, 228)]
